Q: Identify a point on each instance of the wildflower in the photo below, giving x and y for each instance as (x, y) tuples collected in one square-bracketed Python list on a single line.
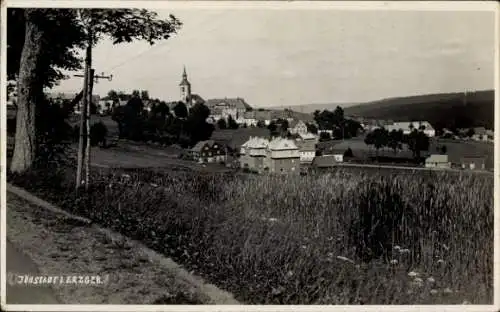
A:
[(330, 238), (289, 273), (446, 247), (412, 274), (330, 255), (394, 261), (418, 282), (403, 251), (304, 247), (431, 279), (440, 261), (153, 185), (434, 292), (272, 219), (397, 247), (447, 290)]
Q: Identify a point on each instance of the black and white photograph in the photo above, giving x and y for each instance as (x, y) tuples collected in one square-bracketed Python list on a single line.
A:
[(248, 153)]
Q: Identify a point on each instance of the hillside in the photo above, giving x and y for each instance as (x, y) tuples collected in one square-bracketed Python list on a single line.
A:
[(310, 108), (441, 110)]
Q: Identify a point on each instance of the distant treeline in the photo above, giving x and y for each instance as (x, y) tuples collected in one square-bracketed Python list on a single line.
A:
[(450, 110)]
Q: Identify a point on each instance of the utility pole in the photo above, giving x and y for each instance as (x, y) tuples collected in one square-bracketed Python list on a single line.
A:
[(84, 142)]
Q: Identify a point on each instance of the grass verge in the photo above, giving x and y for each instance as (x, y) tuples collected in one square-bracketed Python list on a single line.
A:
[(63, 246)]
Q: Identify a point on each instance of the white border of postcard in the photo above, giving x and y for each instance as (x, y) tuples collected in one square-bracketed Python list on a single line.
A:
[(248, 5)]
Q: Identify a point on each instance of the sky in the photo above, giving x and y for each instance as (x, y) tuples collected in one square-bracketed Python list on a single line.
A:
[(295, 57)]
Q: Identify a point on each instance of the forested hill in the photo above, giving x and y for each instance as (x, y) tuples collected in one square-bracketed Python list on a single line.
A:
[(450, 110)]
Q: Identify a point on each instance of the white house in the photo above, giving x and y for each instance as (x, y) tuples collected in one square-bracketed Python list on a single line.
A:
[(407, 127), (438, 161), (297, 126)]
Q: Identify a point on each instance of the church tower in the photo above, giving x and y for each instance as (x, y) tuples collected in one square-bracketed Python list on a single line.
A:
[(185, 87)]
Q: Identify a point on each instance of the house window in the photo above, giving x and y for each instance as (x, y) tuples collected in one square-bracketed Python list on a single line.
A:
[(293, 161), (209, 154), (293, 168)]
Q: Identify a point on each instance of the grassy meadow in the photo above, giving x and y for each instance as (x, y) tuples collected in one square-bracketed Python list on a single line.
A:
[(347, 236)]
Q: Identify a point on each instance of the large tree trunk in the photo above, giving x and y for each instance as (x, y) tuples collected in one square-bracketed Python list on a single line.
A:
[(29, 93)]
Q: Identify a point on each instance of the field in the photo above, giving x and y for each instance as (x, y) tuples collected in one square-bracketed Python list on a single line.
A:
[(456, 150), (343, 237)]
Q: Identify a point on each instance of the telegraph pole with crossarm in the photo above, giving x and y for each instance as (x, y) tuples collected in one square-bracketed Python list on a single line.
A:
[(84, 142)]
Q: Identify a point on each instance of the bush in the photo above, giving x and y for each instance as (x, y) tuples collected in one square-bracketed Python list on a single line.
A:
[(98, 133)]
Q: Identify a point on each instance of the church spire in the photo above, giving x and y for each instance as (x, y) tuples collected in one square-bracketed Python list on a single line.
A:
[(184, 75)]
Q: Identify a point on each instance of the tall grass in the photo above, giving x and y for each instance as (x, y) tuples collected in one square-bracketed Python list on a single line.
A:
[(343, 237)]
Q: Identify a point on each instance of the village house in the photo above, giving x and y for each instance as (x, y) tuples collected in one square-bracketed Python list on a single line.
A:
[(473, 163), (253, 153), (480, 134), (208, 151), (234, 107), (438, 162), (279, 155), (297, 126), (408, 127), (307, 146)]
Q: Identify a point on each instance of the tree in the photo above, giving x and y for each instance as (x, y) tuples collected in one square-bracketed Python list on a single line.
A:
[(312, 128), (51, 38), (180, 110), (221, 123), (395, 141), (144, 95), (197, 126), (348, 153), (261, 124), (378, 138), (113, 96), (324, 136), (273, 127), (443, 149), (470, 132), (417, 142), (231, 123)]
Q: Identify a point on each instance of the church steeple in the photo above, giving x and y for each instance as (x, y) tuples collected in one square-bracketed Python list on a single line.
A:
[(185, 87)]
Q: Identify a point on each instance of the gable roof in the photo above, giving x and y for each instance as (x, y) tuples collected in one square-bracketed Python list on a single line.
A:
[(296, 122), (237, 103), (200, 145), (278, 144), (307, 136), (256, 142)]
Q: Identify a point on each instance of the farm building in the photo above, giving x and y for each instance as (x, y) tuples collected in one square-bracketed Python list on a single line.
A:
[(473, 162), (276, 156), (208, 152), (307, 146), (437, 161)]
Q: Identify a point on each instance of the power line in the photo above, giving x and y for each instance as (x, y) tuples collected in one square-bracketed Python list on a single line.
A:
[(150, 49)]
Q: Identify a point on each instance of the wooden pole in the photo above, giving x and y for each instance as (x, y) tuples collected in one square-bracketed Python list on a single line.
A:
[(83, 112), (87, 149)]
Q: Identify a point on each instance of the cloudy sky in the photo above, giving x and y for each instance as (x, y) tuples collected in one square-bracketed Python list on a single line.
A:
[(291, 56)]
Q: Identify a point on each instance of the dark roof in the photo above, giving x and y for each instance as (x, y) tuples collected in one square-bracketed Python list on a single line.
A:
[(238, 103), (235, 138), (196, 98), (199, 146)]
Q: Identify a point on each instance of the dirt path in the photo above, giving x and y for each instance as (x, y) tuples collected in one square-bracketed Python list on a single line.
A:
[(61, 246), (19, 264)]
